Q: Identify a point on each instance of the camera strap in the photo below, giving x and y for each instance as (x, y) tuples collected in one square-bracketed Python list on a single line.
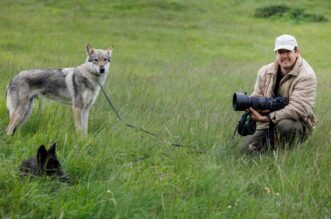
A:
[(245, 126)]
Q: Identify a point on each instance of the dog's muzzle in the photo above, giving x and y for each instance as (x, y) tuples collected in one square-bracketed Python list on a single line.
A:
[(101, 70)]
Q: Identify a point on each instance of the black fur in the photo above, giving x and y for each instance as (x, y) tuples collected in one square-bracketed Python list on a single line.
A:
[(44, 163)]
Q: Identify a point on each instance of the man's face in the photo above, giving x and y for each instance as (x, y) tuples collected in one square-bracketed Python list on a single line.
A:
[(286, 58)]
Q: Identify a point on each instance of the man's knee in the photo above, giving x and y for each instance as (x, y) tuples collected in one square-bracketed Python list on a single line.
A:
[(288, 127), (285, 126), (290, 131)]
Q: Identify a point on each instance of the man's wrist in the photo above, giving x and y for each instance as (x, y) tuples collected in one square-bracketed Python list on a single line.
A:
[(267, 118)]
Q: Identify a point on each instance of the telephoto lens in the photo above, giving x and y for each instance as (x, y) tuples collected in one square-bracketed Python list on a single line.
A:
[(241, 102)]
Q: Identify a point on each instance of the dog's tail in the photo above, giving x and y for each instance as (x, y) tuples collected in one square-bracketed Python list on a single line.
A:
[(7, 93), (6, 97)]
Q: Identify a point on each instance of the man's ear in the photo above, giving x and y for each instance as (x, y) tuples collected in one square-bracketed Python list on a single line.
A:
[(89, 49), (52, 150), (297, 50), (41, 156)]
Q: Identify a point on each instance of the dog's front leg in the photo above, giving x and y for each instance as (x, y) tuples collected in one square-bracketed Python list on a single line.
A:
[(85, 120), (79, 119)]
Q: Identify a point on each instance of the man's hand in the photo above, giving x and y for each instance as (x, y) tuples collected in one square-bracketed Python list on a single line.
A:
[(256, 116)]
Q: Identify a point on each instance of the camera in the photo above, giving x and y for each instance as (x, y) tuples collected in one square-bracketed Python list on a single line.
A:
[(241, 102)]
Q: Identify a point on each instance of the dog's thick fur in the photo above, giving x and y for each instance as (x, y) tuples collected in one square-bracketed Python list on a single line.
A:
[(77, 86), (44, 163)]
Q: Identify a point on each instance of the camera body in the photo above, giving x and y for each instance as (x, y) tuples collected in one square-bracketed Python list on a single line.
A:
[(241, 102)]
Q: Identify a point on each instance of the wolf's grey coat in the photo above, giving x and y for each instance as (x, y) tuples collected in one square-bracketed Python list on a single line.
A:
[(78, 86)]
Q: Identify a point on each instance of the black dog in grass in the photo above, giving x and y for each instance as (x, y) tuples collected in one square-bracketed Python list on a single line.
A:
[(45, 163)]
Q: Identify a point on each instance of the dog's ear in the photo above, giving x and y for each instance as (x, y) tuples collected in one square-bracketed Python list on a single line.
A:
[(42, 156), (89, 49), (52, 150), (110, 49)]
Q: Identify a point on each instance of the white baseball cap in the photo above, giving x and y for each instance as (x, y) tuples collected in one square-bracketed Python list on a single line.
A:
[(285, 41)]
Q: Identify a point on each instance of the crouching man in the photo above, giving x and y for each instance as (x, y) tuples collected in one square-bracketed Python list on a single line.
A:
[(292, 77)]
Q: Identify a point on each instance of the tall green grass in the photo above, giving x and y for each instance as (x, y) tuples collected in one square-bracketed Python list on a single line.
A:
[(174, 69)]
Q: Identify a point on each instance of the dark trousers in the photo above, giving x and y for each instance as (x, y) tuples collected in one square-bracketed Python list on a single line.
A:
[(285, 133)]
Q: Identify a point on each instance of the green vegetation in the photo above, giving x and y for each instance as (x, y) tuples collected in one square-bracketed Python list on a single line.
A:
[(175, 66), (283, 11)]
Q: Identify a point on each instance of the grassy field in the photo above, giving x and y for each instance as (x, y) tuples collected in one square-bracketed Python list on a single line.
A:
[(175, 66)]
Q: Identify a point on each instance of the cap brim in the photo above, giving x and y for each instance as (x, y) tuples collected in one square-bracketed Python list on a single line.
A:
[(287, 47)]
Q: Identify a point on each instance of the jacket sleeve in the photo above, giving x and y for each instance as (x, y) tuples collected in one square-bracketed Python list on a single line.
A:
[(301, 100)]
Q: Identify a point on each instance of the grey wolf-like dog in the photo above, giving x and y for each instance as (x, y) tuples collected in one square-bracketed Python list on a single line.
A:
[(44, 163), (78, 86)]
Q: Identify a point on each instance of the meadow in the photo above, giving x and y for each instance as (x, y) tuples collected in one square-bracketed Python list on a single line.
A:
[(175, 67)]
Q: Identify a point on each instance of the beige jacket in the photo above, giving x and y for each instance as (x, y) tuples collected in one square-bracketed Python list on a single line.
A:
[(299, 85)]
